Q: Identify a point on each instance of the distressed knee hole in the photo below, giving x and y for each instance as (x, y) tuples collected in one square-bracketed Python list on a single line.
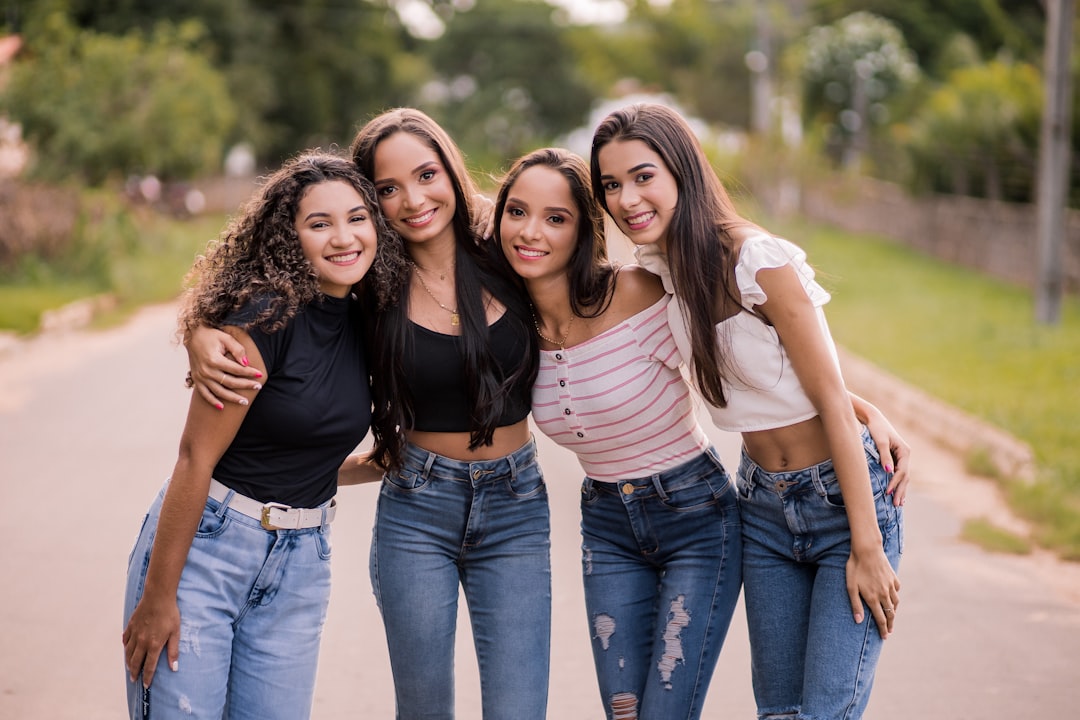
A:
[(678, 618), (624, 706)]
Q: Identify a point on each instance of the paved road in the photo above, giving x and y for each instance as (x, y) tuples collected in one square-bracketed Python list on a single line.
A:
[(89, 424)]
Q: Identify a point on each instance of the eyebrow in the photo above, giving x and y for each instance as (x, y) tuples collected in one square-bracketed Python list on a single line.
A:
[(635, 169), (419, 168), (323, 213), (550, 208)]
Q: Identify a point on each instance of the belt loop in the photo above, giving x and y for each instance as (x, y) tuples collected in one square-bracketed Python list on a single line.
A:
[(427, 465), (513, 466), (225, 503), (658, 485), (324, 509), (587, 485)]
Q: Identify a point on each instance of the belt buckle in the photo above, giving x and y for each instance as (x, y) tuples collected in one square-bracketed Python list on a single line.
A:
[(266, 509)]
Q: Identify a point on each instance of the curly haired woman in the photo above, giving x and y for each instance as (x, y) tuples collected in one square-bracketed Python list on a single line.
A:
[(229, 580)]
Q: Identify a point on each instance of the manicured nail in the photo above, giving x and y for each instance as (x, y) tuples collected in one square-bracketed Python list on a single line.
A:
[(258, 374), (244, 361), (219, 406), (175, 665), (256, 386), (888, 468), (243, 401)]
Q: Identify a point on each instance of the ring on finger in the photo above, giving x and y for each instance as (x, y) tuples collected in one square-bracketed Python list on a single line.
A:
[(222, 381)]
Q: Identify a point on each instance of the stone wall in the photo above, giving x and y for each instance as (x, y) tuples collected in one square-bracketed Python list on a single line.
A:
[(997, 238)]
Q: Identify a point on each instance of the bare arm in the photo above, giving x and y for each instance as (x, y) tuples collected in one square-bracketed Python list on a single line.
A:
[(155, 622), (869, 574), (220, 367), (358, 469)]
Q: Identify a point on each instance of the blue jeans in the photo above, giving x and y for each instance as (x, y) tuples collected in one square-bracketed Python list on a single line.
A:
[(662, 566), (485, 525), (252, 607), (809, 659)]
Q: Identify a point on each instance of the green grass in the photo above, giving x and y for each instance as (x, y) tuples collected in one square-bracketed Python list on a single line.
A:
[(138, 266), (971, 341), (985, 534)]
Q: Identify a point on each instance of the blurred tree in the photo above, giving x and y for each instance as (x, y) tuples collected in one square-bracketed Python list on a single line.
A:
[(851, 70), (978, 134), (506, 79), (95, 105), (1015, 26), (301, 73)]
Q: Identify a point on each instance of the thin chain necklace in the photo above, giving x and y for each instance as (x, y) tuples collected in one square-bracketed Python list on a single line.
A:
[(454, 318), (442, 273), (560, 343)]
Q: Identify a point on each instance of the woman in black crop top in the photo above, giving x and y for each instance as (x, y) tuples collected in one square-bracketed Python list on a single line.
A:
[(229, 580), (463, 500)]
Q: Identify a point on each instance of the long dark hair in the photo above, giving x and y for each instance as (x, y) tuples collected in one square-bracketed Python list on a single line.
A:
[(590, 273), (700, 247), (259, 256), (475, 273)]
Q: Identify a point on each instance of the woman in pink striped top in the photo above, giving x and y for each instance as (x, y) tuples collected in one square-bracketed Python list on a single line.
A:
[(662, 549)]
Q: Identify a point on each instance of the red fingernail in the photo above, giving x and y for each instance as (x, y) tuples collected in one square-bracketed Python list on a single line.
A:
[(258, 374), (219, 406), (888, 468), (244, 361)]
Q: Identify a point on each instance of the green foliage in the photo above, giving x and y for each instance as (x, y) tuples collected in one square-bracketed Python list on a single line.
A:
[(851, 71), (96, 105), (978, 133), (1013, 26), (505, 80)]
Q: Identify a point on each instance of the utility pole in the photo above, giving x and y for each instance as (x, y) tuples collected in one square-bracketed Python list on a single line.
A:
[(1054, 160)]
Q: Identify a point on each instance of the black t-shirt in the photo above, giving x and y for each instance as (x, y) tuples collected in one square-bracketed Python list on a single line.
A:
[(435, 368), (313, 410)]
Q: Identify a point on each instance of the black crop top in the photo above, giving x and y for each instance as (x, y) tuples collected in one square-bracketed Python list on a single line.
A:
[(314, 409), (435, 371)]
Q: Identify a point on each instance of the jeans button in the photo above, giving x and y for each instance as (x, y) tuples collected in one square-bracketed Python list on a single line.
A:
[(627, 489)]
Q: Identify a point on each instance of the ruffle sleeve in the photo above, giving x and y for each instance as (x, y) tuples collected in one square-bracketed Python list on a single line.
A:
[(761, 251)]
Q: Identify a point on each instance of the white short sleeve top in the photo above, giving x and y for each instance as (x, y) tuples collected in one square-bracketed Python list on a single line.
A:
[(760, 385)]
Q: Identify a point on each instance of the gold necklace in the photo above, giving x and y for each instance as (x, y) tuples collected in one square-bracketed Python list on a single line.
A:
[(442, 275), (454, 318), (560, 343)]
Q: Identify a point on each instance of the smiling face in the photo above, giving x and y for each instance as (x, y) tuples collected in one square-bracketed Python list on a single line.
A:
[(539, 225), (416, 193), (640, 191), (337, 235)]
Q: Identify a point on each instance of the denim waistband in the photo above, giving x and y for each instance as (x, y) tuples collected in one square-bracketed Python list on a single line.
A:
[(781, 482), (427, 463), (709, 457)]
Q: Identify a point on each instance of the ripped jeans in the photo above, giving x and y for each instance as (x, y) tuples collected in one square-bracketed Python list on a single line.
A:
[(662, 566)]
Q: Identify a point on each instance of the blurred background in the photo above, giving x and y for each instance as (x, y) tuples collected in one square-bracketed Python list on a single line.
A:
[(918, 149)]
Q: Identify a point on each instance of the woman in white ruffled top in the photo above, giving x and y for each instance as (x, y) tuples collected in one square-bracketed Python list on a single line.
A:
[(821, 501)]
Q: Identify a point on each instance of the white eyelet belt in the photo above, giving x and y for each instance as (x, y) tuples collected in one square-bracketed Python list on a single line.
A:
[(274, 516)]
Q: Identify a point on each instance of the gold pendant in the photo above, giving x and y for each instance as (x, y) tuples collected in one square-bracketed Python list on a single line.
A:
[(454, 320)]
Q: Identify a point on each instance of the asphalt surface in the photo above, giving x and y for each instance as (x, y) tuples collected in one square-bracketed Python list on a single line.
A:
[(89, 425)]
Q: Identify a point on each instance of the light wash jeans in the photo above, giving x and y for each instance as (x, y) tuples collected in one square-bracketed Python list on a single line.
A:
[(484, 525), (252, 607), (662, 566), (809, 659)]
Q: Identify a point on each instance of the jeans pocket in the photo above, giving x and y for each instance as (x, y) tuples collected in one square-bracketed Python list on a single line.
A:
[(527, 482), (322, 543), (212, 524), (406, 481)]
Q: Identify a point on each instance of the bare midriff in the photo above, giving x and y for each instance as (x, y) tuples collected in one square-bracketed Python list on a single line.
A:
[(455, 445), (788, 448)]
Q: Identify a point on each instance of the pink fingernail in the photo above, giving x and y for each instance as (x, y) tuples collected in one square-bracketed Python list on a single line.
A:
[(244, 361), (258, 374), (219, 406), (888, 468)]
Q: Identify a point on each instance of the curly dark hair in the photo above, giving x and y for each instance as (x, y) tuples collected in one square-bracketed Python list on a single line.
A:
[(258, 255)]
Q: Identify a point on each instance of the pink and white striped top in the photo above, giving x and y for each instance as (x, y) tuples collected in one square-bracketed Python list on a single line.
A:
[(619, 402)]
